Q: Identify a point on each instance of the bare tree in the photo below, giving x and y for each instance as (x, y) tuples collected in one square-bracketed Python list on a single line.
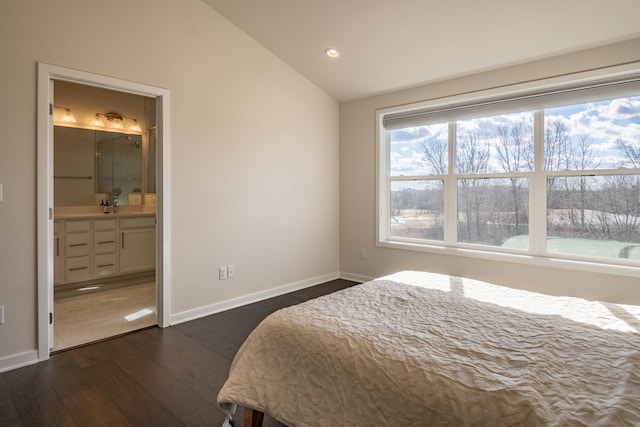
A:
[(576, 154), (556, 140), (583, 160), (472, 156), (436, 153), (472, 152), (631, 150), (619, 209), (624, 192), (515, 147), (515, 154)]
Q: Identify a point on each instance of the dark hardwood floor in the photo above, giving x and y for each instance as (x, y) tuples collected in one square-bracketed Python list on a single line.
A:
[(153, 377)]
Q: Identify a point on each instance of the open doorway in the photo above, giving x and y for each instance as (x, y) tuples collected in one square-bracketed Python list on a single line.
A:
[(104, 212), (82, 249)]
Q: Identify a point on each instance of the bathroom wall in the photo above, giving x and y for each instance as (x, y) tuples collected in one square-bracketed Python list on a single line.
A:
[(79, 150), (74, 167), (85, 101)]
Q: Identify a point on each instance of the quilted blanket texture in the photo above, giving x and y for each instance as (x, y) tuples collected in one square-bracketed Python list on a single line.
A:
[(423, 349)]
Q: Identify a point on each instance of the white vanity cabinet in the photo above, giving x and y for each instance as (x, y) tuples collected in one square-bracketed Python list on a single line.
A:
[(137, 244), (77, 250), (58, 252), (98, 247), (105, 260)]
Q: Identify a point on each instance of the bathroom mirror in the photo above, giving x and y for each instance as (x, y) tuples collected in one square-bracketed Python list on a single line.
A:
[(119, 165), (91, 165)]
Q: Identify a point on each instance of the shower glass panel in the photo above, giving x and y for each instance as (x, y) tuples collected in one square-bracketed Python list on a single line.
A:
[(119, 161)]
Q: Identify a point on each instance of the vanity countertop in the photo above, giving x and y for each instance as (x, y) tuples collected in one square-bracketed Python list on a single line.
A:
[(101, 215), (70, 213)]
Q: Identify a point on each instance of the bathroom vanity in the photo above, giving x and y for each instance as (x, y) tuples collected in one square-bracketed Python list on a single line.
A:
[(90, 246), (93, 167)]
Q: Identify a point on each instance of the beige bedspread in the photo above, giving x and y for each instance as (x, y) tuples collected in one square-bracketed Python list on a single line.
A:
[(421, 349)]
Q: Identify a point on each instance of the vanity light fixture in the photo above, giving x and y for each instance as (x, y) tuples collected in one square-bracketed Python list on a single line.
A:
[(116, 121), (332, 52), (135, 127), (67, 116), (97, 121)]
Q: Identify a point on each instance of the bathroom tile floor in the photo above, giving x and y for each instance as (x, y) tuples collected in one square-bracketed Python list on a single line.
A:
[(97, 315)]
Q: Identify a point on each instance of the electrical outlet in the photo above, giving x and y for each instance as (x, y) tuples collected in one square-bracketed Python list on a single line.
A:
[(363, 253), (231, 271), (222, 273)]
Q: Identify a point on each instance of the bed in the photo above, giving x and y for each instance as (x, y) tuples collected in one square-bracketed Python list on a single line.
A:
[(424, 349)]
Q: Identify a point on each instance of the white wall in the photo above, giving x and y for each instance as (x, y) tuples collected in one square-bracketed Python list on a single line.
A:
[(358, 177), (254, 157)]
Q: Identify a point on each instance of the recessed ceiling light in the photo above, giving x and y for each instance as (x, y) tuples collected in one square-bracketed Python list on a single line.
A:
[(332, 52)]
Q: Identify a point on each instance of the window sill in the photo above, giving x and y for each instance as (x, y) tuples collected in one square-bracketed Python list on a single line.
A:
[(528, 259)]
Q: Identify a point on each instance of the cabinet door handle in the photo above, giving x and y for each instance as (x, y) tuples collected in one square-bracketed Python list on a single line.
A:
[(57, 246), (106, 265), (108, 241), (78, 244), (78, 268), (122, 240)]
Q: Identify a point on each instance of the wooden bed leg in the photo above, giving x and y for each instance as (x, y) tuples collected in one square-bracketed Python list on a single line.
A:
[(253, 418)]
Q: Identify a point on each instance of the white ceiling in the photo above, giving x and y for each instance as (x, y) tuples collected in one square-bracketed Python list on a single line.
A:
[(387, 45)]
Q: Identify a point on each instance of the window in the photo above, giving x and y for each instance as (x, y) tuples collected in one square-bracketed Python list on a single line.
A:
[(544, 173)]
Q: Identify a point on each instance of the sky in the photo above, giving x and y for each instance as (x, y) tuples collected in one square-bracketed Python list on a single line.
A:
[(602, 123)]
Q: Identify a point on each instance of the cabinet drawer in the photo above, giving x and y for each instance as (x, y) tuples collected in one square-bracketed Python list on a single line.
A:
[(104, 224), (138, 222), (76, 226), (104, 265), (104, 242), (77, 269), (76, 244)]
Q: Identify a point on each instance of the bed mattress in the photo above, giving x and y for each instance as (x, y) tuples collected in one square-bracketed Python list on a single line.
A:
[(423, 349)]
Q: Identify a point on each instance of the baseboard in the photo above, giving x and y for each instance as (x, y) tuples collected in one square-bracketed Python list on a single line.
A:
[(20, 360), (355, 277), (16, 361), (208, 310)]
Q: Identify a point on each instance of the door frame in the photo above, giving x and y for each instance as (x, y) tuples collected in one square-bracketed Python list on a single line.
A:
[(47, 73)]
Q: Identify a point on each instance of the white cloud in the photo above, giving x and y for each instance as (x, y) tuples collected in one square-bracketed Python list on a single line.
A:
[(602, 122), (623, 108)]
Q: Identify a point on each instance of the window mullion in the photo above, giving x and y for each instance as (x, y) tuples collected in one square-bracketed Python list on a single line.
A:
[(384, 205), (451, 191), (538, 190)]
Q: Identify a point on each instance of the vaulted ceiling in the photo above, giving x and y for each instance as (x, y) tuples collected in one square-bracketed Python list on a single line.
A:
[(389, 45)]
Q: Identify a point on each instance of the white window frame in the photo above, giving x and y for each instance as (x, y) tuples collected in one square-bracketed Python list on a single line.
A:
[(537, 253)]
